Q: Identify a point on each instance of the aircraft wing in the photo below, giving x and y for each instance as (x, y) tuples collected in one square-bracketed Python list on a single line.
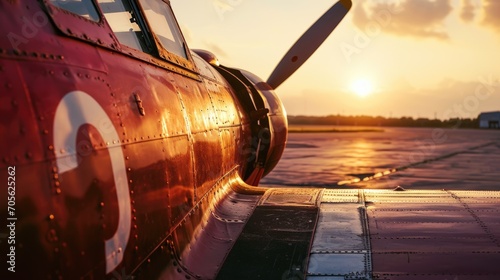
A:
[(311, 233)]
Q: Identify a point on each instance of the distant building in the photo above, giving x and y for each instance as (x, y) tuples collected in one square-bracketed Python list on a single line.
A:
[(489, 120)]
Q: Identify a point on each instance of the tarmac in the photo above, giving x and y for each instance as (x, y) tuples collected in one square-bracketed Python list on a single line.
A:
[(413, 158)]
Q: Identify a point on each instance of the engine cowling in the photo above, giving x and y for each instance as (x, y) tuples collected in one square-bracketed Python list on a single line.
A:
[(269, 125), (278, 124)]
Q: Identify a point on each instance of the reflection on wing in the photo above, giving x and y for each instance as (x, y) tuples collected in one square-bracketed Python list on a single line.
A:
[(306, 233), (365, 234), (434, 234)]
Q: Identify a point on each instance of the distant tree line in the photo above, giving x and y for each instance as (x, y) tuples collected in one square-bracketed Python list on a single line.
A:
[(382, 121)]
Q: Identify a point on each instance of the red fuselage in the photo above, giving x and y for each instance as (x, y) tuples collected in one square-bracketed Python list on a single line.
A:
[(113, 146)]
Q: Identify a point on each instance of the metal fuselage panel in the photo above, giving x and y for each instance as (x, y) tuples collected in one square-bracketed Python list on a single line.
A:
[(112, 149)]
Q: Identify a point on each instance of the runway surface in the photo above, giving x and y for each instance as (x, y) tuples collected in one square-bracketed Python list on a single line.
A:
[(384, 158)]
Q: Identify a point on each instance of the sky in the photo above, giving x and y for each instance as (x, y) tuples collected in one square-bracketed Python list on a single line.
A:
[(391, 58)]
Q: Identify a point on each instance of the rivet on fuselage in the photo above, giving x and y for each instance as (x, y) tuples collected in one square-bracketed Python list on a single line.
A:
[(51, 217), (58, 190)]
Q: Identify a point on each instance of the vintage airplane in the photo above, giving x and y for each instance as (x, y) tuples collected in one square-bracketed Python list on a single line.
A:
[(126, 155)]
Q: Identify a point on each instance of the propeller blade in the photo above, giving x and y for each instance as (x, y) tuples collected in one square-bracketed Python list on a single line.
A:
[(308, 43)]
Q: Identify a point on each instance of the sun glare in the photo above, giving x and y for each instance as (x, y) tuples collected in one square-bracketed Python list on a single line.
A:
[(362, 87)]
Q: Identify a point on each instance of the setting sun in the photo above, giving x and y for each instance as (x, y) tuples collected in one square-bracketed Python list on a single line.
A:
[(362, 87)]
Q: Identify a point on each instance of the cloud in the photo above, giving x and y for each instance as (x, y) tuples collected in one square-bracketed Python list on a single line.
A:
[(468, 12), (416, 18), (491, 9)]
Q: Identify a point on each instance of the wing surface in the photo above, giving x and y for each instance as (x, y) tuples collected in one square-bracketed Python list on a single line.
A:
[(317, 234), (369, 234)]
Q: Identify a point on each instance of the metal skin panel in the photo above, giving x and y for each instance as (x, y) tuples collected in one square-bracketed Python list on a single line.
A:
[(341, 247), (275, 241), (97, 32), (273, 245), (337, 230), (434, 240), (350, 264), (18, 120), (180, 178), (393, 239), (207, 152)]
